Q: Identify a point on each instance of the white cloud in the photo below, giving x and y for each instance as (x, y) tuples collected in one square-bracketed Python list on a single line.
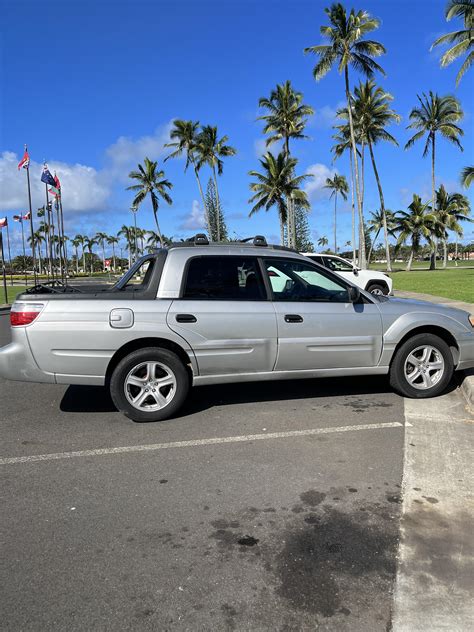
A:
[(260, 146), (314, 186), (325, 117), (127, 152), (195, 220), (82, 186)]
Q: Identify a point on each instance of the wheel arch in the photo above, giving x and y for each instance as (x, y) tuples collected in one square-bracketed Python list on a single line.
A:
[(436, 330), (380, 282), (141, 343)]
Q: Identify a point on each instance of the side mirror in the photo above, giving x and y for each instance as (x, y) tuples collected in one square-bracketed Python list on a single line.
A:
[(354, 294)]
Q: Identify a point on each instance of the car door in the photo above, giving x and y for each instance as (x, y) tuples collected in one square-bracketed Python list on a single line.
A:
[(318, 327), (225, 315)]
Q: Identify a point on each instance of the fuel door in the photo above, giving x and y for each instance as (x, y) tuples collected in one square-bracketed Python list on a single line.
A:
[(121, 318)]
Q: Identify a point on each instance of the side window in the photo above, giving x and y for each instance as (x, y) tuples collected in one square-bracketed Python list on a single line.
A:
[(293, 280), (224, 278), (339, 265), (317, 259)]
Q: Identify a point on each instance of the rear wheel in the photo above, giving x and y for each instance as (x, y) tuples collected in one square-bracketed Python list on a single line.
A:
[(422, 367), (149, 384)]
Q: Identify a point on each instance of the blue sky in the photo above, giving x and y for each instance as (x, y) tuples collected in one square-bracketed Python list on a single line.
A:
[(93, 86)]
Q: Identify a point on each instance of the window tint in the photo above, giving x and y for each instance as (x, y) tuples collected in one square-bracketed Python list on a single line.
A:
[(224, 278), (317, 259), (339, 265), (298, 281)]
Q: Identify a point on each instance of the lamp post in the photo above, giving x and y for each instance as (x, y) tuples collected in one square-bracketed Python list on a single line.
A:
[(134, 210)]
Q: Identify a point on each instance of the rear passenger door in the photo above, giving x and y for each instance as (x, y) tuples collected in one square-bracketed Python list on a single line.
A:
[(225, 316)]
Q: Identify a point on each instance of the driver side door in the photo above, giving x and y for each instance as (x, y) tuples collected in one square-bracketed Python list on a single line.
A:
[(318, 327)]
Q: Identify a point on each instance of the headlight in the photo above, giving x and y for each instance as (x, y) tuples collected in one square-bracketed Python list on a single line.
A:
[(471, 319)]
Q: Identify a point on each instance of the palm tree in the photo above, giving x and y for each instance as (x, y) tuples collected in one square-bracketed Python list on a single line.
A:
[(81, 239), (128, 233), (435, 115), (337, 185), (323, 242), (347, 47), (373, 113), (467, 176), (185, 134), (152, 182), (101, 238), (89, 243), (276, 185), (414, 225), (112, 241), (463, 41), (76, 242), (287, 117), (451, 208), (37, 240), (210, 150), (153, 240), (376, 224)]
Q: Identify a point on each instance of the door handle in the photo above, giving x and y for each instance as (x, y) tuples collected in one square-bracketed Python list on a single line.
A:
[(186, 318), (293, 318)]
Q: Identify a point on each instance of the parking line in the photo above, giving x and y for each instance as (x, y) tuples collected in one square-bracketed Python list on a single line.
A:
[(195, 442)]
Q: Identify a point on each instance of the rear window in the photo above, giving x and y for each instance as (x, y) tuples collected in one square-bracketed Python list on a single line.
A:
[(224, 278)]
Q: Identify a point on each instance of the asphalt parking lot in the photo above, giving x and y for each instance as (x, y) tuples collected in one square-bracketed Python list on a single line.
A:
[(261, 507)]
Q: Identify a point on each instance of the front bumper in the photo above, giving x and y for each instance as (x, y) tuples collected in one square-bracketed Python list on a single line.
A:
[(466, 352), (17, 362)]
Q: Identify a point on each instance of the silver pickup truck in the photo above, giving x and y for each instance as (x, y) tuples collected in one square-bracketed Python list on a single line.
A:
[(199, 313)]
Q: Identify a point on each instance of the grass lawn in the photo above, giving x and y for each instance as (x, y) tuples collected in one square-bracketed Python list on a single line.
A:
[(11, 292), (455, 283)]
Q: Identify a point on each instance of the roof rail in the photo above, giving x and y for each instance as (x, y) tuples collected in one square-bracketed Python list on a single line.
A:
[(258, 240)]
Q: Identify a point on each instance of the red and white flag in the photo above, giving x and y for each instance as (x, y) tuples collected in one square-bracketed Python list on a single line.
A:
[(17, 218), (25, 161), (27, 215), (3, 222)]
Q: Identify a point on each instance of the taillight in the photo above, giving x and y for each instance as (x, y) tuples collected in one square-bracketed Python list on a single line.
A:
[(23, 314)]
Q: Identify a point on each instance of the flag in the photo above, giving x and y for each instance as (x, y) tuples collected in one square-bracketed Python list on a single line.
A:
[(17, 218), (3, 222), (26, 215), (25, 161), (46, 177), (40, 212), (54, 191), (56, 180)]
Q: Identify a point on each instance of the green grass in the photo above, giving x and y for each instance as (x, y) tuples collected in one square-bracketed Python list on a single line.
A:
[(422, 265), (12, 291), (455, 283)]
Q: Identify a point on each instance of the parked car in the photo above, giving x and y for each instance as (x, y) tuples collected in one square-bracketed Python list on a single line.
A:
[(199, 313), (369, 280)]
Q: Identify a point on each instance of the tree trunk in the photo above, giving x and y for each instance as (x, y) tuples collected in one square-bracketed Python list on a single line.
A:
[(335, 222), (382, 208), (445, 253), (206, 214), (282, 229), (83, 259), (362, 259), (372, 247), (113, 253), (77, 262), (353, 213), (410, 260), (218, 202), (433, 202), (103, 255)]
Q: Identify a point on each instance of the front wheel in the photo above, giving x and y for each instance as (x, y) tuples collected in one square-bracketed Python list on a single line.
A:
[(422, 367), (377, 289), (149, 384)]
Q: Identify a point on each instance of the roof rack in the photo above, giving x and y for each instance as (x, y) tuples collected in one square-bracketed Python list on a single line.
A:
[(258, 240)]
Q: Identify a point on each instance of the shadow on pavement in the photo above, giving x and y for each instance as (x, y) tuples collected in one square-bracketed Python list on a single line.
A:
[(96, 399)]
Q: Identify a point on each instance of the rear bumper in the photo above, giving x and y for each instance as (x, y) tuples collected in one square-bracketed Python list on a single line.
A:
[(17, 362), (466, 352)]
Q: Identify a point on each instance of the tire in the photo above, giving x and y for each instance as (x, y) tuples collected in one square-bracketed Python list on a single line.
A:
[(377, 288), (403, 377), (156, 378)]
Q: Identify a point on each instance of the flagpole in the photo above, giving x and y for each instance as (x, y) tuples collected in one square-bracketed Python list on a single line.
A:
[(62, 228), (3, 268), (50, 233), (31, 221), (60, 258), (24, 251), (9, 255)]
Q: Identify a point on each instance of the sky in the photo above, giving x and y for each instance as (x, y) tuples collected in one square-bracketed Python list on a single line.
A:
[(93, 88)]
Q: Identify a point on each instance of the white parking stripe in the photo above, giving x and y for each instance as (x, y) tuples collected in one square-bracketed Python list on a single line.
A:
[(194, 442)]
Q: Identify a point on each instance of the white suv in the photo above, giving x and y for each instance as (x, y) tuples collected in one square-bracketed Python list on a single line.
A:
[(370, 280)]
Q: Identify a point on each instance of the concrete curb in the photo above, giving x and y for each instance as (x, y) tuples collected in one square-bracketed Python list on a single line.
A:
[(4, 308), (467, 387)]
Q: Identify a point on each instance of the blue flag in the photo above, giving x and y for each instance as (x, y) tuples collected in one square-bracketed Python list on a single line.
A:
[(46, 177)]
